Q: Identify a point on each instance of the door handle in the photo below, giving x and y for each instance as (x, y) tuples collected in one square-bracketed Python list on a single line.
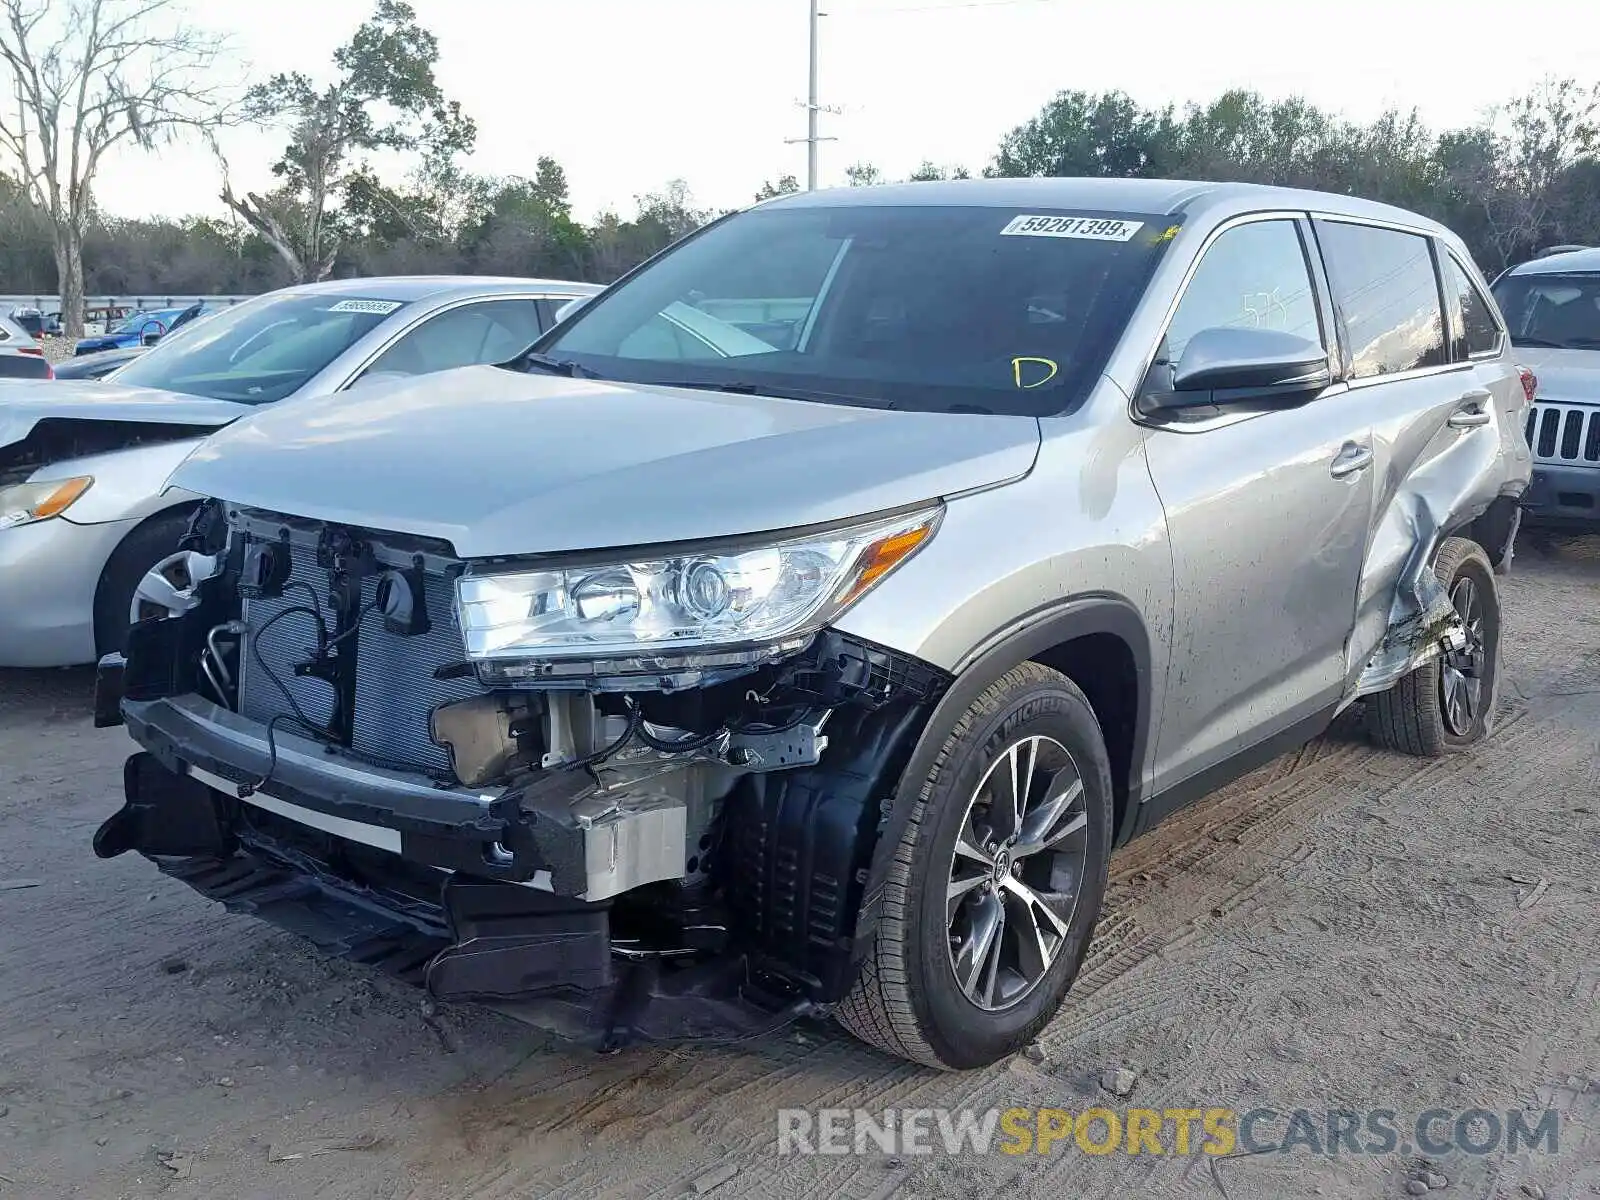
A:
[(1350, 459), (1471, 413)]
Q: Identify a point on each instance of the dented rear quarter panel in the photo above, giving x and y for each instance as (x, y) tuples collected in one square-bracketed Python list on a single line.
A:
[(1431, 479)]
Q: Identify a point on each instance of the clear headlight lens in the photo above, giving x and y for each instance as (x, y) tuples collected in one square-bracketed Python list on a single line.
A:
[(655, 607), (25, 503)]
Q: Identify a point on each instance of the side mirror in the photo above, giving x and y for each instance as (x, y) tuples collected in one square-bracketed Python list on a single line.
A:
[(1246, 365)]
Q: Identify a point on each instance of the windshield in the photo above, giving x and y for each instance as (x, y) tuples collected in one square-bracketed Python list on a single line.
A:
[(935, 309), (261, 350), (1559, 311)]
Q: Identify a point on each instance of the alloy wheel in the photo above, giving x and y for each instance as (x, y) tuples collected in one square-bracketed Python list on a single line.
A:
[(1016, 872), (167, 589), (1462, 672)]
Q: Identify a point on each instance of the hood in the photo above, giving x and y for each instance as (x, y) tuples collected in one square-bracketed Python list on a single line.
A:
[(23, 406), (501, 463), (1563, 374)]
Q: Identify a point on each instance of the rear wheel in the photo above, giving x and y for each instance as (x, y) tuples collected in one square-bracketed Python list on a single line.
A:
[(997, 882), (1448, 704)]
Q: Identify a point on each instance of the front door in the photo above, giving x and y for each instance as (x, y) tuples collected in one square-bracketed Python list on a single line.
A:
[(1268, 515)]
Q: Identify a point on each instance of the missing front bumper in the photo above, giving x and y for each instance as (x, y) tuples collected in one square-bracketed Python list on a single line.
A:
[(543, 959), (558, 834)]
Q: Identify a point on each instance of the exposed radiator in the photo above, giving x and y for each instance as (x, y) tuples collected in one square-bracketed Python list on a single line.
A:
[(396, 690), (1564, 433)]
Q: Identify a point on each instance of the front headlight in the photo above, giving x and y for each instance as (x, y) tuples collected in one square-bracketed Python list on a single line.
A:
[(25, 503), (769, 596)]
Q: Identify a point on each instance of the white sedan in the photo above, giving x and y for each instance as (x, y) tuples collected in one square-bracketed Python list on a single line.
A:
[(83, 517)]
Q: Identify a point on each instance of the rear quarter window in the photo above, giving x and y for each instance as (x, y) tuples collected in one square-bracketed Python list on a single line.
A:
[(1475, 329)]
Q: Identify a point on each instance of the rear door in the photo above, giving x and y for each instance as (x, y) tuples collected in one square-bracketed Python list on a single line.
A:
[(1436, 410), (1267, 515)]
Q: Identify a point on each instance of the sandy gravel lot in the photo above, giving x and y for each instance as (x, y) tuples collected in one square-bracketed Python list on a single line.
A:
[(1345, 928)]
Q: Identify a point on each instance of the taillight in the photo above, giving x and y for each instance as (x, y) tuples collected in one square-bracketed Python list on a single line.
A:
[(49, 371), (1530, 383), (39, 350)]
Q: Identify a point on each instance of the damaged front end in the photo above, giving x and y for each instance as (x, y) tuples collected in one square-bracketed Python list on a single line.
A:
[(347, 734)]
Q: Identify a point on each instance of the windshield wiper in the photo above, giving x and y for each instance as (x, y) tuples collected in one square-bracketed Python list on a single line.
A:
[(556, 366), (740, 387), (1523, 339)]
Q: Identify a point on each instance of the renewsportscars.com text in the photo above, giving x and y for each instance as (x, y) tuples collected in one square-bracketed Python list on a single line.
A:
[(1177, 1131)]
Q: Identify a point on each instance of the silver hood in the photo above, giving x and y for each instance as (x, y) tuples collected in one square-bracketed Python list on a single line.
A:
[(1564, 375), (500, 463), (24, 405)]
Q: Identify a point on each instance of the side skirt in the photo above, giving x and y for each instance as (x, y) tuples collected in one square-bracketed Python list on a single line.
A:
[(1162, 805)]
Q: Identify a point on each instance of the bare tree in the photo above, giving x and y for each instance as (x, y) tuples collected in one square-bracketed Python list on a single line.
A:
[(88, 75)]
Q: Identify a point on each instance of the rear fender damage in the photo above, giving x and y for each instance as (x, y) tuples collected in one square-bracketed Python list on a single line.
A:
[(1405, 618)]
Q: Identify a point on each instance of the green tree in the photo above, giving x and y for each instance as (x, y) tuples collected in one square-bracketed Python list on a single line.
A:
[(862, 175), (1079, 133), (385, 99), (785, 186)]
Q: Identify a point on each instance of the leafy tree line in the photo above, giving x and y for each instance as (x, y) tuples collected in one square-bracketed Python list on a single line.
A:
[(92, 74)]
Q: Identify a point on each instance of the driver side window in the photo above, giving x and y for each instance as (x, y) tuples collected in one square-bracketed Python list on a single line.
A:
[(1253, 277)]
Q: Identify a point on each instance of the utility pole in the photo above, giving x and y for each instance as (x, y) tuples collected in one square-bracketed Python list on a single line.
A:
[(813, 105)]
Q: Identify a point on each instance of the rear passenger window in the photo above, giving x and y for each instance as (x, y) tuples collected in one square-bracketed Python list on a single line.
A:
[(1384, 285), (1253, 276), (1476, 331)]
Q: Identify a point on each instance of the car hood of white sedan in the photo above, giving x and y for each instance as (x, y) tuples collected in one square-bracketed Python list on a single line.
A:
[(502, 463), (24, 405)]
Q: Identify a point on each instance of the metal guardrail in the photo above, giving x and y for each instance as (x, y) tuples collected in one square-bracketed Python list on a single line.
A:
[(120, 306), (52, 303)]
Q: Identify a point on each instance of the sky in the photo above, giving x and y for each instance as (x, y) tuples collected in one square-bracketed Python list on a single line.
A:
[(629, 94)]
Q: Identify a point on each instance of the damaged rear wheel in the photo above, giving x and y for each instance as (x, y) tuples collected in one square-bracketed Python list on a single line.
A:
[(997, 882), (1448, 703)]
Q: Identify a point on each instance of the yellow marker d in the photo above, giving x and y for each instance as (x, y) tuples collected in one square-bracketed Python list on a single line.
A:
[(1016, 371)]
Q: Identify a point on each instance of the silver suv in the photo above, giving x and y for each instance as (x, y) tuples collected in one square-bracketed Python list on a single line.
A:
[(797, 628), (1553, 306)]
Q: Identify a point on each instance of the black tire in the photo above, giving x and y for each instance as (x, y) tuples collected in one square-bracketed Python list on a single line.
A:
[(1412, 717), (907, 999), (142, 549)]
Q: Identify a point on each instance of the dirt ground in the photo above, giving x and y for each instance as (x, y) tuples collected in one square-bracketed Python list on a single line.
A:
[(1345, 928)]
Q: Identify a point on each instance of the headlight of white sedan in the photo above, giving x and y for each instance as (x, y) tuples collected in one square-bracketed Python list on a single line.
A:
[(25, 503), (745, 602)]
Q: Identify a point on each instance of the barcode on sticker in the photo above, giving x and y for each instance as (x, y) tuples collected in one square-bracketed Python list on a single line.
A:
[(382, 307), (1098, 229)]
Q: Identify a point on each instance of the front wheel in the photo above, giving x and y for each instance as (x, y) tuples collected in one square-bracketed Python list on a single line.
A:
[(997, 882), (1448, 703), (123, 594)]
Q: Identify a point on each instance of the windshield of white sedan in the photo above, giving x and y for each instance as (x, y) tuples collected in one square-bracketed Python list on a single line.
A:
[(262, 350), (942, 309), (1557, 311)]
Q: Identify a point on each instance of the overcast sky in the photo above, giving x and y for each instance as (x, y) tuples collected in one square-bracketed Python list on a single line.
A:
[(628, 94)]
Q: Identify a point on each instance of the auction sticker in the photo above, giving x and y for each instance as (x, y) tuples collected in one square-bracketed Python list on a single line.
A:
[(382, 307), (1095, 229)]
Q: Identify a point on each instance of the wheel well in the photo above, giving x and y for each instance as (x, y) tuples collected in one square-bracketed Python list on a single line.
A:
[(1105, 670), (177, 510)]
